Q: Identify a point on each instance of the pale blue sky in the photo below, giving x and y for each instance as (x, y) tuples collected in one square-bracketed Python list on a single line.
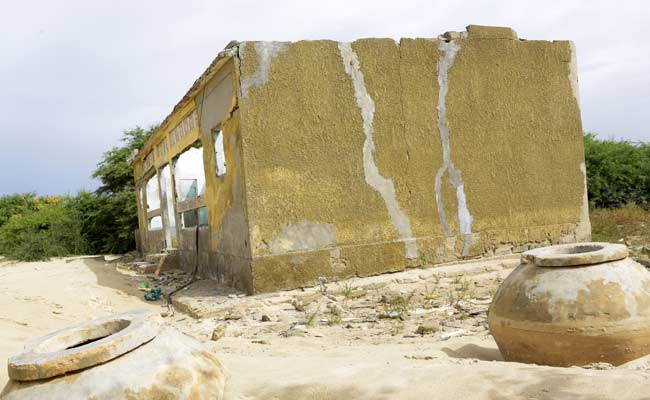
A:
[(74, 74)]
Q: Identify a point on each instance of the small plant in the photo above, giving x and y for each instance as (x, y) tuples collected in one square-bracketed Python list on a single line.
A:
[(398, 303), (312, 317), (322, 284), (429, 294), (333, 319), (463, 286), (465, 289), (346, 289), (397, 328), (452, 298)]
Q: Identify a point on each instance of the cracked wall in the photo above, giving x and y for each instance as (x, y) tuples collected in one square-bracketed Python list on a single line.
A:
[(384, 186), (215, 244), (417, 152), (352, 159)]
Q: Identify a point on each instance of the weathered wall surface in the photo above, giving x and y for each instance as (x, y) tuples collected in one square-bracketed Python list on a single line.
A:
[(352, 159), (229, 257), (223, 251), (375, 156)]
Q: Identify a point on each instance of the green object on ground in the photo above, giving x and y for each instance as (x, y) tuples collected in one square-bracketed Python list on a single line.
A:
[(153, 294), (143, 285)]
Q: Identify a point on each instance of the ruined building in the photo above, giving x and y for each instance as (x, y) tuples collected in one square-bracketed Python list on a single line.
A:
[(286, 162)]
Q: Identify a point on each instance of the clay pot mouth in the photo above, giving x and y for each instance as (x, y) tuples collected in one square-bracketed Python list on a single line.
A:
[(84, 345), (573, 254), (81, 336)]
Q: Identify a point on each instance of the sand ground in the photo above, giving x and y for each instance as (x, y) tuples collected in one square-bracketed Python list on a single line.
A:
[(354, 340)]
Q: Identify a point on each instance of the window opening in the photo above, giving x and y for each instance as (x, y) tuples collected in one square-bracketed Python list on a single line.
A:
[(219, 153), (188, 170)]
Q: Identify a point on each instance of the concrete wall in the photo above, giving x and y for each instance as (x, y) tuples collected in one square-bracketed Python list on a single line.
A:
[(352, 159), (223, 251), (376, 156), (229, 244)]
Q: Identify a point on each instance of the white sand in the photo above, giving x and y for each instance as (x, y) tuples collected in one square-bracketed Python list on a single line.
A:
[(329, 363)]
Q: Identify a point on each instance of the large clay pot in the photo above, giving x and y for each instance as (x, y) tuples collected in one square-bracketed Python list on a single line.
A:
[(573, 304), (123, 356)]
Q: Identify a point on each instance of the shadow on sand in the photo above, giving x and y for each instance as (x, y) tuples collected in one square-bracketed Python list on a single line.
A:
[(474, 351), (108, 276)]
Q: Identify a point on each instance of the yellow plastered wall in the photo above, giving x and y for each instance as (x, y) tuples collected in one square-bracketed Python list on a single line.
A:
[(352, 159), (514, 138), (224, 253)]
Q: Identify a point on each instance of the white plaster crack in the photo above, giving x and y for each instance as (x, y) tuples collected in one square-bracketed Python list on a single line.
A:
[(238, 59), (383, 186), (583, 229), (573, 73), (266, 52), (450, 49)]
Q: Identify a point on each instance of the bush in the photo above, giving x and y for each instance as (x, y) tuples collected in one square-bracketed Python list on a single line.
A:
[(114, 170), (16, 204), (110, 215), (104, 221), (618, 172), (50, 230), (108, 220)]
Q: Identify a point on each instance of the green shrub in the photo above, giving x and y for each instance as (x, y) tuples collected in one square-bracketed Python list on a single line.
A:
[(16, 204), (110, 215), (618, 172), (114, 170), (51, 230), (108, 221), (104, 221)]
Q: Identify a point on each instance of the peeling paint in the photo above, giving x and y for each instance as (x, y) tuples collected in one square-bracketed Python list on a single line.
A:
[(552, 285), (304, 236), (383, 186), (290, 172), (450, 49), (337, 263), (232, 233), (266, 52), (258, 243), (583, 229), (573, 73)]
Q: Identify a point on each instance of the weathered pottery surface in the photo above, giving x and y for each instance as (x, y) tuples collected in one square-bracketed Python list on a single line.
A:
[(123, 356), (573, 304)]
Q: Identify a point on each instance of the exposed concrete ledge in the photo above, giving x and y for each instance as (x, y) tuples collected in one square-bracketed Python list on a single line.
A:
[(490, 32), (211, 299)]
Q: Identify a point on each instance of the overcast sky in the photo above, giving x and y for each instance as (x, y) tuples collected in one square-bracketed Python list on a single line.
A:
[(74, 74)]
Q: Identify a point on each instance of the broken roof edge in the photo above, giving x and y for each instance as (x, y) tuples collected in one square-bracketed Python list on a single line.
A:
[(219, 61), (232, 50)]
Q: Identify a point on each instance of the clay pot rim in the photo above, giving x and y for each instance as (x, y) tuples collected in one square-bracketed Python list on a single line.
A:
[(574, 254), (64, 350)]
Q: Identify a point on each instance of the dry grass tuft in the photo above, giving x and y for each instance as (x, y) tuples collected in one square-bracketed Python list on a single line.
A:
[(629, 224)]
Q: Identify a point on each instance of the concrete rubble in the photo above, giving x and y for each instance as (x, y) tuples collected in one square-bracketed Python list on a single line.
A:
[(443, 302)]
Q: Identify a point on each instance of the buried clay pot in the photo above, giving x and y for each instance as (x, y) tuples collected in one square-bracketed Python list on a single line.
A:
[(129, 355), (573, 304)]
